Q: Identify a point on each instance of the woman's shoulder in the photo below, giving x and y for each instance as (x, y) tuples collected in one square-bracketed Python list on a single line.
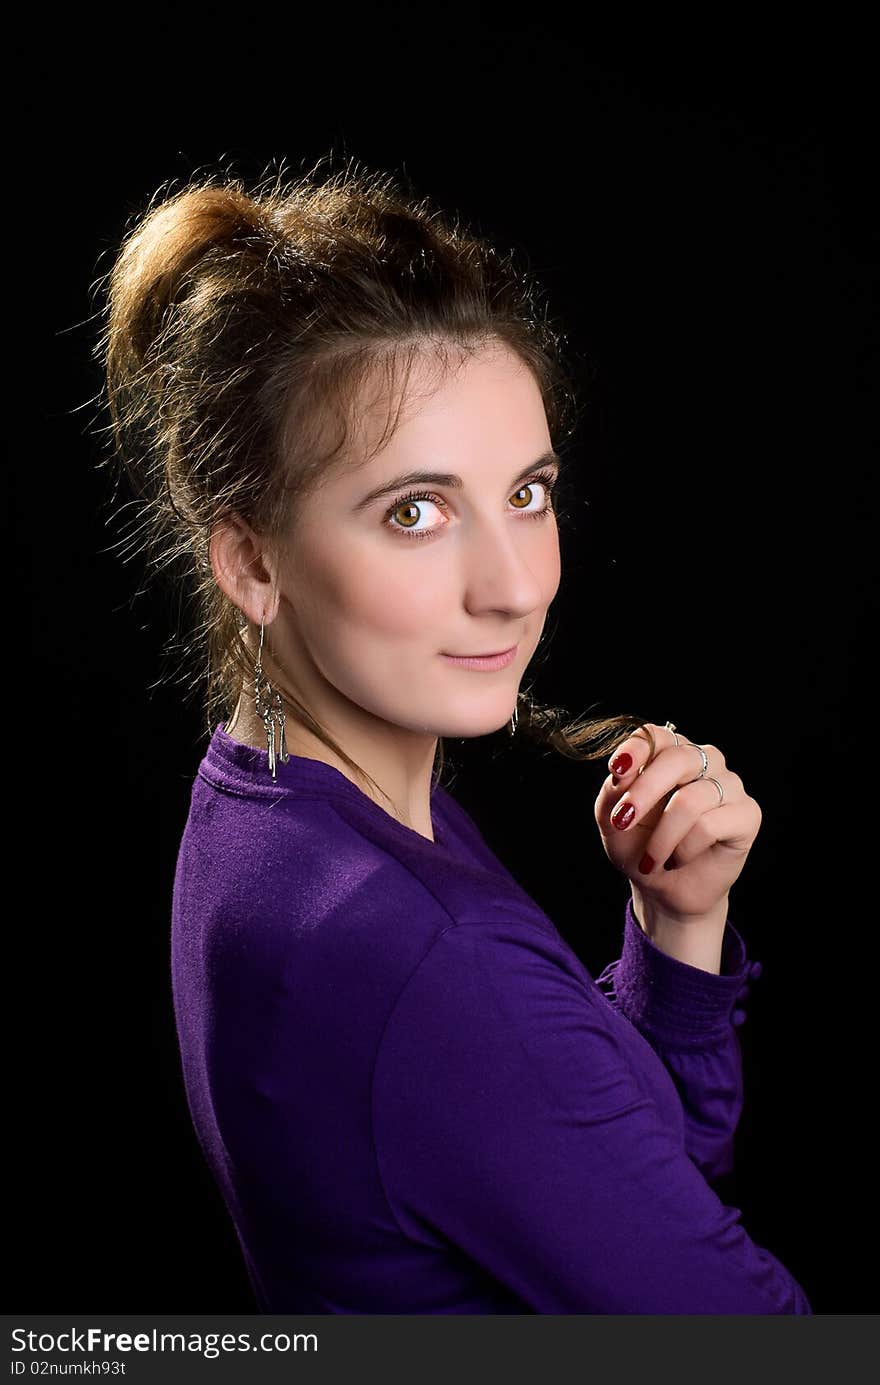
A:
[(311, 859), (274, 877)]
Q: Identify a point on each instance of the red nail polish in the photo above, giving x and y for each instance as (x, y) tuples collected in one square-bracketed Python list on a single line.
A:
[(646, 864), (621, 764), (623, 815)]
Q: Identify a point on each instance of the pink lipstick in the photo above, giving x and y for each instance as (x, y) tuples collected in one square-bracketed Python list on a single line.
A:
[(487, 663)]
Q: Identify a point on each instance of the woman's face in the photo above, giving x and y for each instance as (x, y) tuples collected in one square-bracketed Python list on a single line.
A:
[(375, 591)]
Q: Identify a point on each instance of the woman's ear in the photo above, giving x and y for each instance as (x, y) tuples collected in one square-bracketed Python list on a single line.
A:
[(241, 571)]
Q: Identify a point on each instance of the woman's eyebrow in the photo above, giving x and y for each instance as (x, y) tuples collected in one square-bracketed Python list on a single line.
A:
[(445, 478)]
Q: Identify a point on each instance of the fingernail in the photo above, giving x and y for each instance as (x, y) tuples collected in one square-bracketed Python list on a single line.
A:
[(623, 815), (621, 764), (646, 864)]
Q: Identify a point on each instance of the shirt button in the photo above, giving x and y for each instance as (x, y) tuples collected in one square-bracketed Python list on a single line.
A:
[(756, 969)]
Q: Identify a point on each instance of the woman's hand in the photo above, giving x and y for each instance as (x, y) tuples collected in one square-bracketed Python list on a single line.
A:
[(679, 822)]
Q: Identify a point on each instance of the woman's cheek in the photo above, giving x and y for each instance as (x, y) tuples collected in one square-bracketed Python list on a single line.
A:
[(376, 600)]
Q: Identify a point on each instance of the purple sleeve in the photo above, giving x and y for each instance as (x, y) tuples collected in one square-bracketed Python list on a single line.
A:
[(511, 1120), (690, 1018)]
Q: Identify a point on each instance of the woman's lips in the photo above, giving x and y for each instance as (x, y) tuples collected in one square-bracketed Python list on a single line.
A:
[(485, 662)]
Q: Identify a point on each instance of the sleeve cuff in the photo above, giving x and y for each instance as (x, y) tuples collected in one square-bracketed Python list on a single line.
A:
[(673, 1003)]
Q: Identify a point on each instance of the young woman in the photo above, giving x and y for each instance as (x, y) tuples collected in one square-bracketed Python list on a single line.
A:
[(344, 415)]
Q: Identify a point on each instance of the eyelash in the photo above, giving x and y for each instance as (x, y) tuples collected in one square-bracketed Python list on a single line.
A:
[(548, 480)]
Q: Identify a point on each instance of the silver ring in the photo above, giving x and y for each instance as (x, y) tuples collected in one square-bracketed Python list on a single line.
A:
[(711, 780), (705, 759), (703, 772)]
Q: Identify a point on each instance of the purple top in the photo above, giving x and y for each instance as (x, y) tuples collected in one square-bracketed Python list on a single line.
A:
[(413, 1095)]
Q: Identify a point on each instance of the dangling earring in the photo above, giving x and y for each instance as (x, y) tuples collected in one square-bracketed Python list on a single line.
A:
[(269, 706), (514, 722)]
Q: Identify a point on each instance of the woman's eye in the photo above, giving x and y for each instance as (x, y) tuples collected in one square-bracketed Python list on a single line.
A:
[(407, 510)]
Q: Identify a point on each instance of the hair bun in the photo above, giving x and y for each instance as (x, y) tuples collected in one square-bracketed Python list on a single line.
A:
[(152, 271)]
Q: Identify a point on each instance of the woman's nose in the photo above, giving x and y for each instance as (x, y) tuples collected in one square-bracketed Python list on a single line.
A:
[(501, 570)]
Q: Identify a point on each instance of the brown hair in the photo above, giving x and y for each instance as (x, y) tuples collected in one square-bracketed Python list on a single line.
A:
[(240, 327)]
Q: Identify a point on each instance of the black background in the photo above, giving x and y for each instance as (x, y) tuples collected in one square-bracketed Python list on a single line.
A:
[(697, 203)]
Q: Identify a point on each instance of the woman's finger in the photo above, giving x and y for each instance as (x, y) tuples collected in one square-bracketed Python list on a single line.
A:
[(731, 826), (635, 752), (668, 774), (681, 837)]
